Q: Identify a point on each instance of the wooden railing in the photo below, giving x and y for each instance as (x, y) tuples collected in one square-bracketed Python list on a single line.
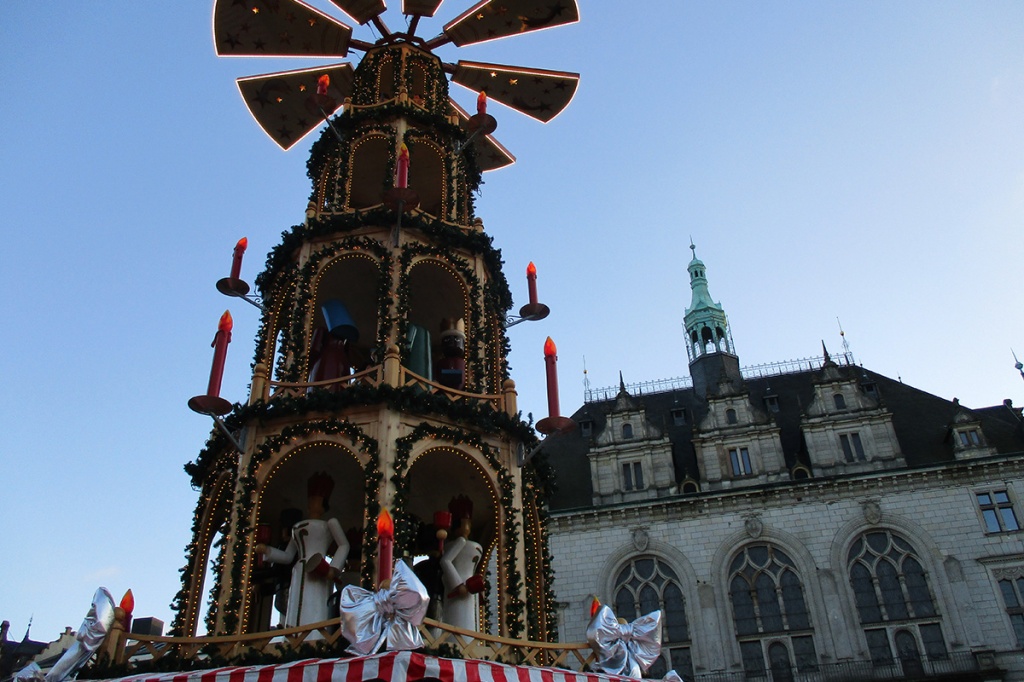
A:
[(440, 637), (370, 376), (408, 378)]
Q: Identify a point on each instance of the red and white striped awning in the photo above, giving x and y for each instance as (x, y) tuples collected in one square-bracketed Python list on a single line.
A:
[(394, 666)]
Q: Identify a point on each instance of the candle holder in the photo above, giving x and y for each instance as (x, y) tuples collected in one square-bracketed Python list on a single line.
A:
[(210, 405), (534, 311), (401, 199), (478, 124), (232, 286), (555, 425)]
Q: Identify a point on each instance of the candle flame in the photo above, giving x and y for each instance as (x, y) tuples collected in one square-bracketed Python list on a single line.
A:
[(531, 270), (403, 152), (595, 606), (226, 323), (128, 602), (385, 526), (242, 244), (549, 348)]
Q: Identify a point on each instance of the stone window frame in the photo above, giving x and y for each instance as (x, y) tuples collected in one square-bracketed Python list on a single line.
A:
[(633, 476), (902, 600), (740, 463), (675, 653), (852, 446), (774, 571), (993, 513)]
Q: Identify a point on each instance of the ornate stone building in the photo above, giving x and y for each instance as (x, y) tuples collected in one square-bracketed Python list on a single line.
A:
[(802, 521)]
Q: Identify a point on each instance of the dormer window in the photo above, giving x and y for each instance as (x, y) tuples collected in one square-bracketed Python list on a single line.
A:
[(627, 431), (852, 446), (679, 416), (739, 459), (730, 416), (632, 476), (586, 428), (840, 401), (772, 403), (970, 438), (870, 389)]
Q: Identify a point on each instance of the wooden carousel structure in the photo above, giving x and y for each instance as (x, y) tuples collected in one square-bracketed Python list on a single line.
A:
[(380, 377)]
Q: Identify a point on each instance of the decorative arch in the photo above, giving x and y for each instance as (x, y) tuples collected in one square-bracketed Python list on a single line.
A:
[(895, 562), (387, 76), (369, 170), (236, 607), (509, 582), (282, 492), (433, 290), (927, 552), (695, 650), (437, 473), (352, 278), (212, 512), (428, 175), (805, 568)]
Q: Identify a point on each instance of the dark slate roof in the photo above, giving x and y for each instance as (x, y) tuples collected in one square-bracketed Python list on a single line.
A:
[(921, 422)]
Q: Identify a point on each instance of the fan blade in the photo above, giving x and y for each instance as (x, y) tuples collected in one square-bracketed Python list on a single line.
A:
[(490, 154), (280, 28), (537, 93), (423, 8), (361, 10), (286, 104), (492, 19)]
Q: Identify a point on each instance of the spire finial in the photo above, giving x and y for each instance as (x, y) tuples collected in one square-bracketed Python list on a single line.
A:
[(828, 358), (692, 247), (622, 384), (1018, 364)]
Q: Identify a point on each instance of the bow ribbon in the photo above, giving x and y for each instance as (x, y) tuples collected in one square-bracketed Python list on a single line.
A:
[(392, 615), (624, 648)]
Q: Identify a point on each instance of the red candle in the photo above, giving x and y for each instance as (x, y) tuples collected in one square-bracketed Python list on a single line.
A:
[(385, 546), (220, 353), (236, 262), (322, 83), (531, 281), (550, 358), (403, 167), (481, 103)]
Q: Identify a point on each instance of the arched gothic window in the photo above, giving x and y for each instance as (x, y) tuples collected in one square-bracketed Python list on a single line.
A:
[(647, 584), (770, 616), (894, 601)]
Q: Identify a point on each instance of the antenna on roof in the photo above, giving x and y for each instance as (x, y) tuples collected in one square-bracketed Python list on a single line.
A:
[(586, 381), (846, 345)]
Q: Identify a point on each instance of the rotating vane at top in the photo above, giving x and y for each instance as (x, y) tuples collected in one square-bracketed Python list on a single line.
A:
[(282, 102)]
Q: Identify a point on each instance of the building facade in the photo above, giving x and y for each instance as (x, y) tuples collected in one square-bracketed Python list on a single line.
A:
[(807, 521)]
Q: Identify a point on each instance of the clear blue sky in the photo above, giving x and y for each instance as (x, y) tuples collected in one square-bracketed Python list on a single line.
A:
[(855, 159)]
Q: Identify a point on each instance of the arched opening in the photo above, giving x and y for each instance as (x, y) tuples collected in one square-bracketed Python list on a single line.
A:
[(418, 91), (448, 480), (428, 176), (343, 333), (368, 170), (437, 302), (285, 504), (386, 79)]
